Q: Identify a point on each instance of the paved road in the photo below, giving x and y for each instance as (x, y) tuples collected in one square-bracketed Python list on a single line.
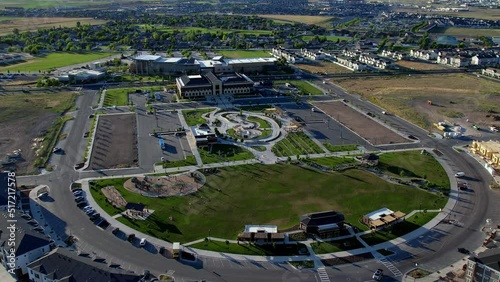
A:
[(432, 250)]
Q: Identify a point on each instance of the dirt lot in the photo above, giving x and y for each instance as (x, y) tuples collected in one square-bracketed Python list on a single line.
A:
[(24, 117), (455, 97), (367, 128), (322, 67), (419, 65), (25, 24), (115, 142)]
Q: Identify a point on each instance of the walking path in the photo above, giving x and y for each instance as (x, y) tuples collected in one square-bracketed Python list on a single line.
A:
[(190, 139)]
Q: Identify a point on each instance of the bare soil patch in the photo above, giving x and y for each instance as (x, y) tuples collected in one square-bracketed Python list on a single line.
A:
[(170, 185), (323, 67), (114, 197), (455, 97), (419, 65), (115, 142), (366, 127)]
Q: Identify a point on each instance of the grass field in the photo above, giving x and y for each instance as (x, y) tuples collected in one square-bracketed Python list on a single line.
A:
[(190, 160), (239, 54), (262, 123), (284, 192), (340, 148), (248, 249), (332, 161), (323, 67), (119, 96), (409, 225), (460, 32), (305, 87), (336, 246), (323, 21), (328, 37), (296, 143), (193, 117), (8, 24), (55, 60), (407, 96), (224, 153), (414, 164)]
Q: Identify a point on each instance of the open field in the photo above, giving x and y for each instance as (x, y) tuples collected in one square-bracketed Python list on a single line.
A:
[(414, 165), (474, 12), (119, 96), (328, 37), (460, 32), (296, 144), (304, 86), (24, 117), (7, 25), (55, 60), (366, 127), (323, 67), (284, 192), (194, 117), (239, 54), (218, 153), (324, 21), (115, 142), (419, 65), (475, 98)]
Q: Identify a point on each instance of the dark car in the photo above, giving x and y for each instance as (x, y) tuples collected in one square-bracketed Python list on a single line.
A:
[(131, 237), (463, 251), (82, 204), (79, 199), (115, 230), (95, 216)]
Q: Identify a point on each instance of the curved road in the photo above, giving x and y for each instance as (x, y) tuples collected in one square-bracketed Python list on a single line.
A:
[(435, 250)]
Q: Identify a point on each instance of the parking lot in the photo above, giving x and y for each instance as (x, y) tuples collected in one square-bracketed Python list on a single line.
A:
[(366, 127), (164, 123), (115, 143), (321, 126)]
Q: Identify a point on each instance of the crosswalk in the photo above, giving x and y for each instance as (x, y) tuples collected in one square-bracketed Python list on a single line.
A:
[(391, 267), (323, 276)]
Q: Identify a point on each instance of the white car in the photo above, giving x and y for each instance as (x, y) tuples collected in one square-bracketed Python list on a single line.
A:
[(459, 174), (86, 208), (378, 274), (142, 243)]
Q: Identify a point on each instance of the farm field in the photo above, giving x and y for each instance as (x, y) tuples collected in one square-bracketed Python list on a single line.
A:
[(352, 192), (240, 54), (324, 21), (460, 32), (54, 60), (455, 97), (26, 116), (296, 143), (420, 65), (323, 67), (8, 24)]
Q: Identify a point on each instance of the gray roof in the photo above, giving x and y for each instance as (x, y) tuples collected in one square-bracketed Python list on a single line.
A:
[(66, 265), (27, 238), (490, 258)]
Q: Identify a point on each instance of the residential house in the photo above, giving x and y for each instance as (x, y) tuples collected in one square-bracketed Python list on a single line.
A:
[(495, 73), (489, 151), (424, 54), (485, 60), (325, 224), (314, 55), (30, 242), (485, 267), (64, 265)]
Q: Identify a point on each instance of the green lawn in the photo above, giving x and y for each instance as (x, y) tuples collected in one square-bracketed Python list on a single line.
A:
[(55, 60), (340, 148), (119, 96), (398, 230), (262, 123), (247, 249), (190, 160), (224, 153), (296, 143), (283, 193), (305, 87), (414, 164), (330, 38), (193, 117), (332, 161), (336, 246), (238, 54)]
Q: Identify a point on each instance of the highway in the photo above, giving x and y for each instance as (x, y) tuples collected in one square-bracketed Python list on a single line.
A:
[(434, 251)]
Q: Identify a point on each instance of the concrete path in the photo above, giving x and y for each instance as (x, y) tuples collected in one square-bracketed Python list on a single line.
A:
[(190, 139)]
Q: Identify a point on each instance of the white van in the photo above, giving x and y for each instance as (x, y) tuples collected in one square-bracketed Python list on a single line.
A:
[(459, 174)]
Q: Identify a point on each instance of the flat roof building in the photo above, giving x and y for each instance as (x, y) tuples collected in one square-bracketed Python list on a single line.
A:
[(382, 218), (206, 84)]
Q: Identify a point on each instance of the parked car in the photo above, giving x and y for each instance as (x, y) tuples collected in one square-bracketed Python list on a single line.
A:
[(79, 199), (43, 194), (78, 193), (82, 204), (86, 208), (378, 274), (90, 211), (463, 251), (115, 230), (460, 174), (95, 216), (131, 237)]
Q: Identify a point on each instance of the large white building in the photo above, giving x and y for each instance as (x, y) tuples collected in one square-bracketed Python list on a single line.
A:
[(206, 84), (153, 64)]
